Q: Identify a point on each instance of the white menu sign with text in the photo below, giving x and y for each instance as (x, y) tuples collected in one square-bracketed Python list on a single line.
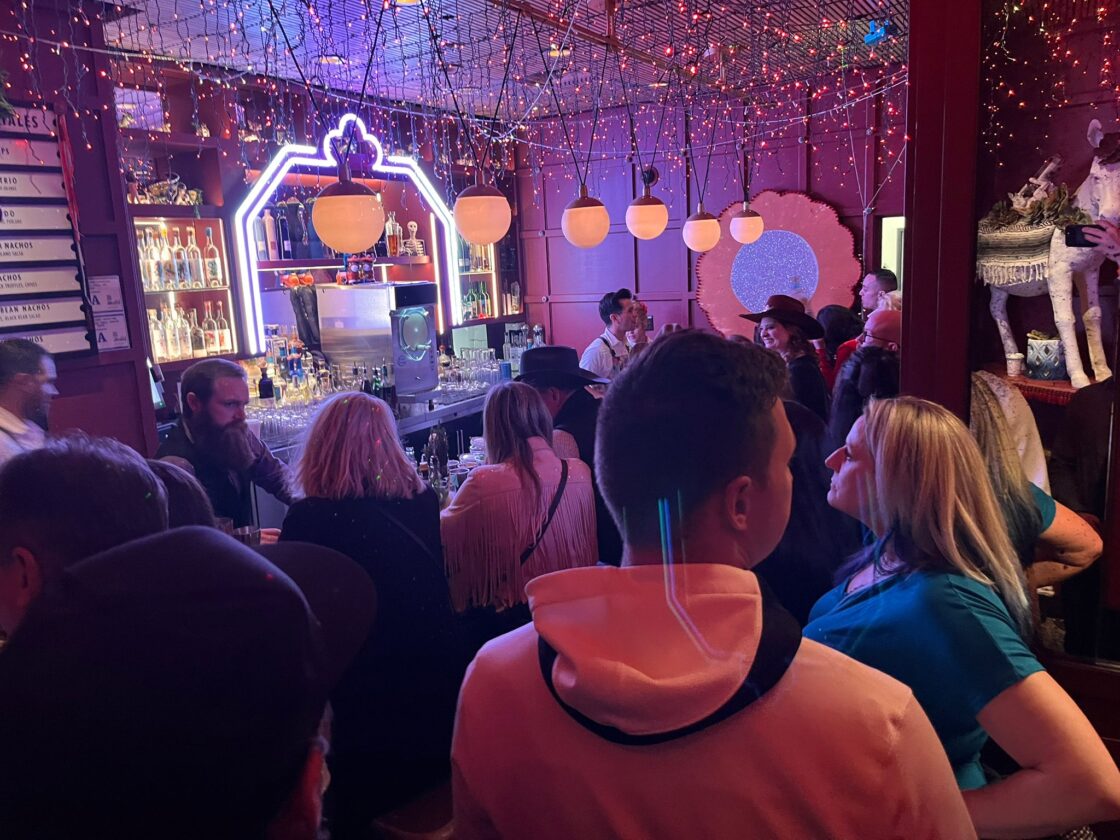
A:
[(34, 217), (21, 151), (58, 341), (29, 313), (37, 281), (32, 185), (38, 249), (34, 122)]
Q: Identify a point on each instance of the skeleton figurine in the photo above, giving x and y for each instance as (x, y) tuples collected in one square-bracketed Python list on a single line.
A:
[(1038, 187), (413, 247)]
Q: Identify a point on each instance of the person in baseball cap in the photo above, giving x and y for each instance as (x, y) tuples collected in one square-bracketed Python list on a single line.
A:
[(174, 687)]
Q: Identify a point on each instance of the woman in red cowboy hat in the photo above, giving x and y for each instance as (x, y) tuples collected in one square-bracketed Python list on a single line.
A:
[(787, 329)]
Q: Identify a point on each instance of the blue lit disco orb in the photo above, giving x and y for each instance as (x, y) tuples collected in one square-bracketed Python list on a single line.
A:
[(779, 263)]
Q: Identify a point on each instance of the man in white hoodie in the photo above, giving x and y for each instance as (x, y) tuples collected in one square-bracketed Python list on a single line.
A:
[(673, 697)]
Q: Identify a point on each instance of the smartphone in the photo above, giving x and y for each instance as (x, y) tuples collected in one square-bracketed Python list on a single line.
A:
[(1075, 236), (649, 323)]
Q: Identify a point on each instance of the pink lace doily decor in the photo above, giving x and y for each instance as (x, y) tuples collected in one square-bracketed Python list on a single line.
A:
[(805, 253)]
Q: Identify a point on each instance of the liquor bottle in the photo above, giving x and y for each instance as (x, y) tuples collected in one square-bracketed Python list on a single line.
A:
[(183, 332), (389, 386), (392, 235), (259, 238), (515, 298), (210, 333), (155, 267), (487, 311), (225, 337), (376, 383), (155, 332), (142, 252), (182, 265), (265, 388), (284, 240), (171, 334), (470, 311), (302, 247), (212, 262), (167, 261), (270, 237), (315, 248), (194, 260), (198, 337)]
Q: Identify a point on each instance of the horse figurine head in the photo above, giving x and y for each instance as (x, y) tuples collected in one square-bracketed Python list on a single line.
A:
[(1100, 194)]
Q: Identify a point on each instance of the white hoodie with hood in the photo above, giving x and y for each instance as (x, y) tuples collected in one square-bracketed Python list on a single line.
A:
[(834, 749)]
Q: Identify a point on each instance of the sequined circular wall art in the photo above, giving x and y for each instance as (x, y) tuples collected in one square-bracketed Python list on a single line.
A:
[(805, 252)]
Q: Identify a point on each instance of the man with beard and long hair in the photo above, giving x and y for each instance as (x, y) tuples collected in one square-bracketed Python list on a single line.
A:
[(27, 377), (214, 439)]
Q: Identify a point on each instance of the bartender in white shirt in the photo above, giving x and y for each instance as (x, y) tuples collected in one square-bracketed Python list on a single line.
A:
[(625, 333), (27, 385)]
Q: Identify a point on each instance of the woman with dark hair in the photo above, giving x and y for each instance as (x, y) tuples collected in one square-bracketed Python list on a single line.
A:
[(525, 513), (840, 324), (787, 329), (187, 502)]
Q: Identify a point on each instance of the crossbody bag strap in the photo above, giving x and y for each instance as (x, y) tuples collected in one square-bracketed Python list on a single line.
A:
[(527, 553)]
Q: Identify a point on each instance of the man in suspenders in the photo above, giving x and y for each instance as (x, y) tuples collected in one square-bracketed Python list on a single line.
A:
[(27, 385), (608, 354)]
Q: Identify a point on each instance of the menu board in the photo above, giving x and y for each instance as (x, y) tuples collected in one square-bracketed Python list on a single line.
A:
[(43, 294)]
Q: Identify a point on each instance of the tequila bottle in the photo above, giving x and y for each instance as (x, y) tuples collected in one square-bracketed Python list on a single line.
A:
[(213, 262), (194, 260), (225, 337), (167, 262), (182, 265), (210, 333)]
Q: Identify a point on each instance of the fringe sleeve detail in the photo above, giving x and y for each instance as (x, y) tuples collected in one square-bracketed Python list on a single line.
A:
[(484, 537)]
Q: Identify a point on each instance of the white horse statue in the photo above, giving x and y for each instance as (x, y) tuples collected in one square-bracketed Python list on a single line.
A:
[(1099, 198)]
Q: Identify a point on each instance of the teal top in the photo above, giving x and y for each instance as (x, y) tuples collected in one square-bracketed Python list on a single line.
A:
[(1046, 506), (946, 636)]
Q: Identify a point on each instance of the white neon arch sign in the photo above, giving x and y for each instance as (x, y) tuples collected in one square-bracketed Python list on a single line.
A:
[(323, 157)]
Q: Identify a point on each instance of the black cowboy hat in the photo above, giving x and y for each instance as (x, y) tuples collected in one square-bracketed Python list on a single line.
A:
[(555, 365), (788, 311)]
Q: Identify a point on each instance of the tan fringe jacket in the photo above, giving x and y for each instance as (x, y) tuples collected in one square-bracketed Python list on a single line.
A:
[(493, 519)]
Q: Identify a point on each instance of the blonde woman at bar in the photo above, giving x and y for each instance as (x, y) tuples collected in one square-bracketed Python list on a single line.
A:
[(525, 513), (939, 603), (394, 708)]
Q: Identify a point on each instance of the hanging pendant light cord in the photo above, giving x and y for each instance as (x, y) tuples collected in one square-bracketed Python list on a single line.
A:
[(489, 150), (426, 14), (595, 120), (365, 78), (559, 110), (303, 78), (630, 118)]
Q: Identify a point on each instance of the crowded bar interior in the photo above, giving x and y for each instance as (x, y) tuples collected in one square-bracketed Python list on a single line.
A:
[(461, 418)]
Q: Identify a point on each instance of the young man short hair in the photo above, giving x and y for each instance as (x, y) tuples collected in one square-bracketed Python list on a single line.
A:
[(610, 351), (27, 386), (673, 696), (74, 497)]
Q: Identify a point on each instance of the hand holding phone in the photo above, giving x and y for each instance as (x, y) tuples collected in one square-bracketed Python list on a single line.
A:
[(1076, 236)]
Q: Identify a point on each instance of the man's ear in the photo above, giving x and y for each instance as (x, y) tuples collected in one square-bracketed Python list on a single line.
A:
[(31, 577), (194, 402), (737, 502)]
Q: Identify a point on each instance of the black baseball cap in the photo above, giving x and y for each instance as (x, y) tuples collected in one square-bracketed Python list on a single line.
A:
[(173, 686)]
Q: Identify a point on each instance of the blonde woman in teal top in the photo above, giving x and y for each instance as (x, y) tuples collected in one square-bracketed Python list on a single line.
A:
[(940, 604)]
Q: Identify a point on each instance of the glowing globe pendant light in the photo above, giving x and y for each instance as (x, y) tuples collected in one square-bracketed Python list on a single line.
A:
[(746, 225), (701, 230), (647, 216), (585, 221), (348, 217), (482, 215)]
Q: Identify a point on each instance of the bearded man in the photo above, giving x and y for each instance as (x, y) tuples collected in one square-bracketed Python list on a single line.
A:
[(214, 440)]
